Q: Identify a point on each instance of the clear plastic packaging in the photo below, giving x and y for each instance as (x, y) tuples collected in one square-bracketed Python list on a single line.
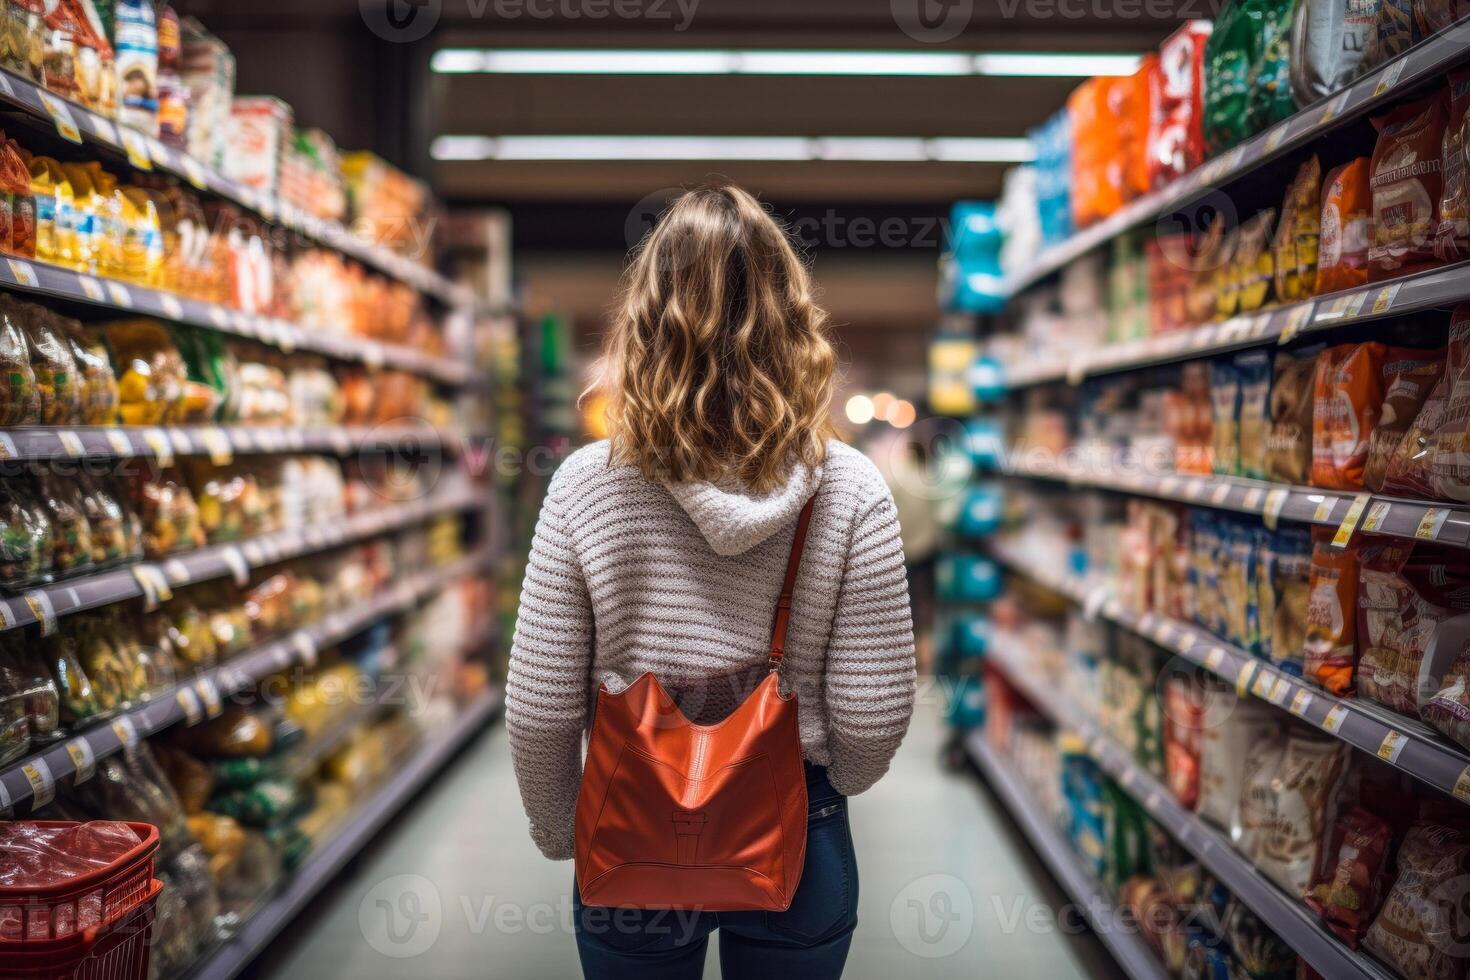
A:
[(71, 532), (25, 535), (52, 363), (19, 400)]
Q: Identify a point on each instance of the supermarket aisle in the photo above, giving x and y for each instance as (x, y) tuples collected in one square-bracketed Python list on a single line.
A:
[(457, 889)]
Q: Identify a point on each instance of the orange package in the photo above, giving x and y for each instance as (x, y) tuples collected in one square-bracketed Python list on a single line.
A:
[(1407, 184), (1329, 652), (1130, 99), (1347, 397), (1097, 179), (1342, 256)]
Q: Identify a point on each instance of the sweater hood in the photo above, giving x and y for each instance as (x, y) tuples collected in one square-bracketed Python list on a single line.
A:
[(733, 520)]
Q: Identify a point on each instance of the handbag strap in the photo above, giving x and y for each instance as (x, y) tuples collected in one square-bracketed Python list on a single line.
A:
[(783, 605)]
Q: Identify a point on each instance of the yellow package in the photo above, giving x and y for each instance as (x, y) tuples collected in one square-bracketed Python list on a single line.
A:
[(142, 252), (56, 238), (89, 204)]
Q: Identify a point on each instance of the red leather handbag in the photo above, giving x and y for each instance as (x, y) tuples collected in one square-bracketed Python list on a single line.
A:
[(708, 817)]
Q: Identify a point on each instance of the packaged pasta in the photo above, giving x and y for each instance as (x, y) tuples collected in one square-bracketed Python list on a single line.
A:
[(1409, 376), (170, 516), (1346, 401), (1329, 649), (113, 540), (1448, 437), (1406, 184), (1294, 250), (1347, 227), (1418, 931)]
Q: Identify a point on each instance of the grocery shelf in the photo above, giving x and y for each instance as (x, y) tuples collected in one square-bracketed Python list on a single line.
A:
[(1429, 59), (1442, 287), (1123, 939), (1403, 742), (324, 864), (1285, 914), (220, 443), (154, 581), (201, 696), (144, 153), (129, 299), (1442, 523)]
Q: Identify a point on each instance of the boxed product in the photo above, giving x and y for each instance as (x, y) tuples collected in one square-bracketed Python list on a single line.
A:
[(208, 72), (257, 135)]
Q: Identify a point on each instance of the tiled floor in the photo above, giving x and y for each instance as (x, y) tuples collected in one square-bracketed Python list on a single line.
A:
[(946, 891)]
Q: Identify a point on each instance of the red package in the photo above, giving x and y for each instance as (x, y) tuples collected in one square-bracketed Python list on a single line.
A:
[(1449, 450), (1176, 139), (1184, 711), (1347, 398), (1407, 183), (1452, 241), (1356, 872)]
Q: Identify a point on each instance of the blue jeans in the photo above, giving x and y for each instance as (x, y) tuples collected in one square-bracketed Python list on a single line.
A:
[(809, 940)]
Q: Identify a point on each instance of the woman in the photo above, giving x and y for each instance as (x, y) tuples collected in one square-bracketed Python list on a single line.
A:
[(662, 550)]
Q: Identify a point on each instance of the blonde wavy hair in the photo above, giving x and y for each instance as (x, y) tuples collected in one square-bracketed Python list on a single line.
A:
[(717, 365)]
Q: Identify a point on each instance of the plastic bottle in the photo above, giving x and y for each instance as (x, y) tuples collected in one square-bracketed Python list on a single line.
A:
[(56, 230)]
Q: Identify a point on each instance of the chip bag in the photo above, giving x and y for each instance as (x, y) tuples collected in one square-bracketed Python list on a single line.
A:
[(1409, 376), (1347, 398), (1332, 602), (1406, 182)]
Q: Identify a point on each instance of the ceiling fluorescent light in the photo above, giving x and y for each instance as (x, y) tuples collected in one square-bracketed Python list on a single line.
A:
[(1040, 65), (661, 61), (894, 149)]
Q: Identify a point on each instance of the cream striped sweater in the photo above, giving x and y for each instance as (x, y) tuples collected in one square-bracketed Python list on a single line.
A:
[(628, 576)]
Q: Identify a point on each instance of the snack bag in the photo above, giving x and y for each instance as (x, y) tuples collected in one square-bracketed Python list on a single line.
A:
[(1253, 372), (1307, 795), (1347, 398), (1254, 267), (1347, 226), (1452, 239), (1184, 705), (1294, 251), (1228, 729), (1348, 894), (1270, 74), (1409, 376), (1328, 651), (1288, 456), (1405, 591), (1406, 184), (1129, 100), (1328, 40), (1225, 416), (1395, 30), (1229, 54), (1285, 587), (1255, 811), (1176, 140), (1416, 931), (1433, 16), (1449, 440)]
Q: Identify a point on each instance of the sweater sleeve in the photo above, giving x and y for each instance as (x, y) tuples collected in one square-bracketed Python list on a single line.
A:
[(870, 660), (546, 688)]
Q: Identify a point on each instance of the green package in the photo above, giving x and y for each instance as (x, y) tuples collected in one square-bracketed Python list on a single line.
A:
[(1229, 55), (1270, 99)]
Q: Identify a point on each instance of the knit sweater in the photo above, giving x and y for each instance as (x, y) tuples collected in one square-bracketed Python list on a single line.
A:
[(628, 576)]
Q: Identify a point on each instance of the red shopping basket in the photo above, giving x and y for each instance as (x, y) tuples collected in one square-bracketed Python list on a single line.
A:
[(95, 926)]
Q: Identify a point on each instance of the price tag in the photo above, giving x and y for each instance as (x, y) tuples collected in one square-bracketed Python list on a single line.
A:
[(1300, 702), (1323, 513), (219, 316), (1244, 678), (217, 444), (1391, 746), (1353, 308), (7, 446), (1275, 502), (92, 288), (104, 129), (1152, 803), (254, 553), (1264, 686), (189, 701), (43, 785), (1169, 487), (1275, 138), (176, 572), (1166, 635), (1279, 691), (1350, 520), (119, 441), (341, 441), (209, 695), (1431, 523), (163, 450), (1093, 603), (1333, 722), (40, 605), (305, 647), (1215, 659), (1383, 302), (182, 444), (1253, 498), (60, 114), (1462, 786), (159, 153), (285, 337), (1334, 108), (120, 294), (136, 147), (172, 308), (1377, 514), (1299, 317), (1194, 489), (71, 443), (1389, 78), (239, 567), (83, 759), (24, 273), (127, 734), (155, 587), (194, 172), (372, 356), (1220, 494)]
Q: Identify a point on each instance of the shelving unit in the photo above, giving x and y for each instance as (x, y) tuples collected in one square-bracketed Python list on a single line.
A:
[(220, 443), (1122, 939), (154, 582), (1442, 523), (313, 875), (1287, 917), (1401, 741), (200, 696)]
